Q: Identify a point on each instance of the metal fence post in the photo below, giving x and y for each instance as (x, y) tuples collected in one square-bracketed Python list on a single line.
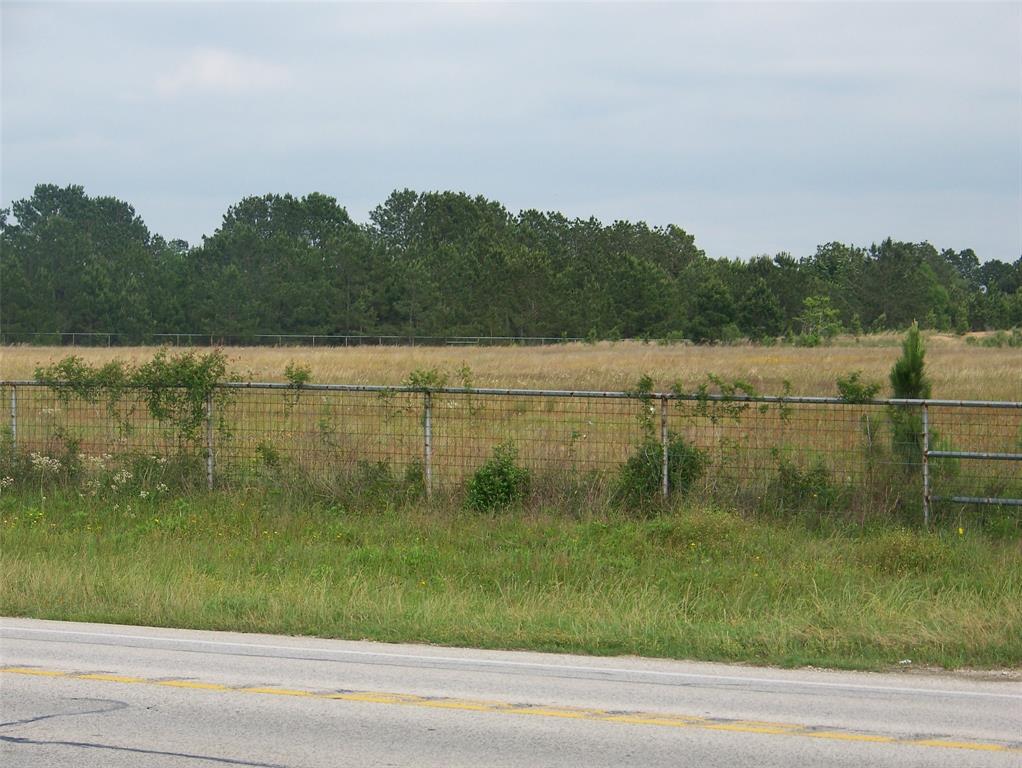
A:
[(14, 416), (926, 466), (664, 480), (427, 441), (209, 440)]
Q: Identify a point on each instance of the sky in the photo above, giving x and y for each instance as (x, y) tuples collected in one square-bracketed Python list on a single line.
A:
[(758, 128)]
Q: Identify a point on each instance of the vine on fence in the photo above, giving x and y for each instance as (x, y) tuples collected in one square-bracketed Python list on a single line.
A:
[(297, 375), (174, 388), (729, 403), (854, 389), (72, 376)]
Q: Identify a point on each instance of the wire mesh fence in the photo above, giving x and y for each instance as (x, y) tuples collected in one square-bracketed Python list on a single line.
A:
[(773, 453), (114, 339)]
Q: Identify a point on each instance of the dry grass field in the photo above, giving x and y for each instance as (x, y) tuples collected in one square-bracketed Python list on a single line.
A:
[(958, 370)]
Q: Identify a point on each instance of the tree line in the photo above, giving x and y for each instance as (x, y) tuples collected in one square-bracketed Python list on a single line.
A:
[(448, 264)]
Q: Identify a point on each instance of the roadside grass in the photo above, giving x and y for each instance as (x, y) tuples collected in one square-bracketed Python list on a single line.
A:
[(692, 582)]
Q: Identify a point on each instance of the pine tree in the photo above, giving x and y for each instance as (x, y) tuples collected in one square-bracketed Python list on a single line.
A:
[(908, 376), (909, 380)]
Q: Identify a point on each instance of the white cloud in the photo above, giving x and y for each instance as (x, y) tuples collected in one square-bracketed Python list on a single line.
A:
[(220, 71)]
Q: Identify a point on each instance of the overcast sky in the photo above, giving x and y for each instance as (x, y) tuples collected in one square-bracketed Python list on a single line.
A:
[(758, 128)]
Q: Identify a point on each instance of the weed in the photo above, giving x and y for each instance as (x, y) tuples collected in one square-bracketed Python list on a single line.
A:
[(268, 454), (902, 552)]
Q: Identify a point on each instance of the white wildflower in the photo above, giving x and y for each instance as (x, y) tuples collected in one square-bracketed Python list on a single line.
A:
[(95, 463), (45, 464), (120, 478)]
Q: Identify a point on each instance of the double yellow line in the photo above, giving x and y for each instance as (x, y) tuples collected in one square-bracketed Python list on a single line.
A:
[(507, 708)]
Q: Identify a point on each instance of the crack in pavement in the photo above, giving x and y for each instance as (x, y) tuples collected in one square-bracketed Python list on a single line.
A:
[(111, 705), (114, 706), (136, 750)]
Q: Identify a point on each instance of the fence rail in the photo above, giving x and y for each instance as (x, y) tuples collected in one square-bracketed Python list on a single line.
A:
[(783, 452), (113, 339)]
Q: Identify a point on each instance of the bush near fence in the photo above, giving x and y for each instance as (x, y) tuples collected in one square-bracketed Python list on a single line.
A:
[(769, 455)]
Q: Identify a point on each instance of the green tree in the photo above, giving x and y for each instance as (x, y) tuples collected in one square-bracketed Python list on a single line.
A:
[(713, 309), (819, 321), (759, 311)]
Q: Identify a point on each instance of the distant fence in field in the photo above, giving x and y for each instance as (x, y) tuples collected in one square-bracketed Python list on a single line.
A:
[(96, 339), (782, 452)]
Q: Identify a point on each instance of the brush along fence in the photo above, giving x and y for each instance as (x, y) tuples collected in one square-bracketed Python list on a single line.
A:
[(778, 454)]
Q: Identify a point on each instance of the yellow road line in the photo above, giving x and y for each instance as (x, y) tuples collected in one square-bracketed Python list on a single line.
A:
[(848, 736), (374, 698), (277, 691), (960, 745), (674, 721), (471, 706), (749, 728), (33, 671), (597, 715), (192, 684), (571, 714), (112, 678)]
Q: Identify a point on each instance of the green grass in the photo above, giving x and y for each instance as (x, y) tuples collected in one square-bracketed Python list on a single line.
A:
[(691, 583)]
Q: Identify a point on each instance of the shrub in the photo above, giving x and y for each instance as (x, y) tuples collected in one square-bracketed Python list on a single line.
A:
[(640, 478), (499, 482), (297, 374), (854, 389), (1000, 339), (796, 489), (426, 379)]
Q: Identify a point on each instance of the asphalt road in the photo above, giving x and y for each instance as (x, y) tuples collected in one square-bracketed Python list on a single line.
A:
[(102, 695)]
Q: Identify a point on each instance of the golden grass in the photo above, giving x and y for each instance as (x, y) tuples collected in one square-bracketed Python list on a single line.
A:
[(957, 370)]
